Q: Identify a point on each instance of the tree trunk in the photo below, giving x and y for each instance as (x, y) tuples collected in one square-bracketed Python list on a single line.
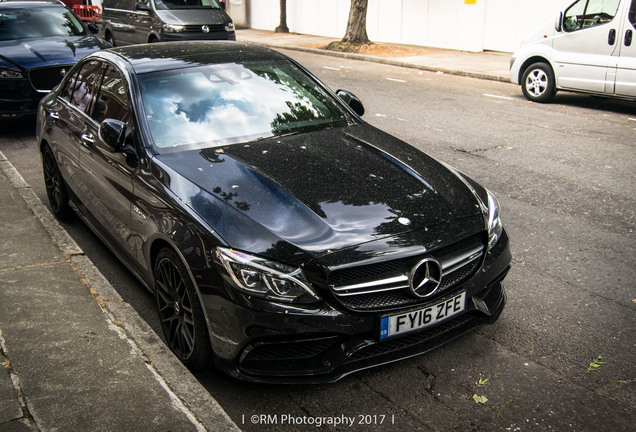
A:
[(357, 24), (282, 27)]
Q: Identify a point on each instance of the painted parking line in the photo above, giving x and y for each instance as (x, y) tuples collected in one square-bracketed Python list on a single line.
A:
[(396, 80), (497, 96), (332, 68)]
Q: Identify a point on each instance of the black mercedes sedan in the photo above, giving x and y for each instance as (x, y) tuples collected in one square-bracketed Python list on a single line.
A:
[(285, 239), (39, 41)]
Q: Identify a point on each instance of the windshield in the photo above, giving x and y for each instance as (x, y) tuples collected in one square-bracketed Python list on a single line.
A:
[(42, 22), (186, 4), (229, 103)]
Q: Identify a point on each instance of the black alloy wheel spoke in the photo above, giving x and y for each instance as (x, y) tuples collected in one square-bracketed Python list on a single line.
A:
[(51, 182), (175, 312)]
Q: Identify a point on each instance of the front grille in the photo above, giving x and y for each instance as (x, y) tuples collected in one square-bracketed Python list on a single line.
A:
[(386, 284), (44, 79), (198, 28)]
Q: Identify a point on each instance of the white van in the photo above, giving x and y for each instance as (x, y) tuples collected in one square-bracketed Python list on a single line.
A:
[(590, 48)]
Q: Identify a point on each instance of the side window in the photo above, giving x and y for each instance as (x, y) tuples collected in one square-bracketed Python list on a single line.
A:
[(112, 100), (632, 14), (589, 13), (80, 88), (68, 87)]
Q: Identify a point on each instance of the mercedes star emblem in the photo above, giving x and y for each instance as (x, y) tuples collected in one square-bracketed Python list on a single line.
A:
[(425, 277), (205, 29)]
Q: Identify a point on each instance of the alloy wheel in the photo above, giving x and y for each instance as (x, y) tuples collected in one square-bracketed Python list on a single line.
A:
[(175, 308), (537, 82), (55, 186)]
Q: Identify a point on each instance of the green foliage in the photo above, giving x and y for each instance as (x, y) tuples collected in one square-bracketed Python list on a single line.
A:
[(595, 364), (502, 407), (482, 383)]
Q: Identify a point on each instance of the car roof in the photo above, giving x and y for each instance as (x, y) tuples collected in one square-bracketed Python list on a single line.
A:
[(29, 3), (174, 55)]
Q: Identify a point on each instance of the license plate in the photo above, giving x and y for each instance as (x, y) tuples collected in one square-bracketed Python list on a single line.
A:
[(405, 322)]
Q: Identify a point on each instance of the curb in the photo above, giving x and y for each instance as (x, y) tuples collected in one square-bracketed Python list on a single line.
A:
[(186, 392), (382, 60)]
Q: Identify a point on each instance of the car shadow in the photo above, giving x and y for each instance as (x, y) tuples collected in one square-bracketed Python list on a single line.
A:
[(618, 106), (19, 126)]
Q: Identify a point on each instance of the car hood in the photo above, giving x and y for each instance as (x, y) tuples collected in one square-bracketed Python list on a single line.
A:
[(319, 191), (193, 16), (47, 51)]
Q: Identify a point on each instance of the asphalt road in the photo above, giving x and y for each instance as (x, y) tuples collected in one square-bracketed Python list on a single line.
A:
[(565, 174)]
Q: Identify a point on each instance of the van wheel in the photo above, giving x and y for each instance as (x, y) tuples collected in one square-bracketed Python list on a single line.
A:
[(537, 82), (108, 37)]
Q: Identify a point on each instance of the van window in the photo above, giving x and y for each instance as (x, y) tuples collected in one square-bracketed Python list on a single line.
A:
[(187, 4), (119, 4), (632, 13), (589, 13)]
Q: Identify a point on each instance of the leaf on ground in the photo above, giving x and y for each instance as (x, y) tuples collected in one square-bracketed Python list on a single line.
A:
[(480, 399)]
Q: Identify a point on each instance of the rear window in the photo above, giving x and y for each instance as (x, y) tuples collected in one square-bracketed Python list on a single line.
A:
[(41, 22)]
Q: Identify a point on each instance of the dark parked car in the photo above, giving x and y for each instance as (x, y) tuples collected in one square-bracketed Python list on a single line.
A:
[(285, 239), (39, 42)]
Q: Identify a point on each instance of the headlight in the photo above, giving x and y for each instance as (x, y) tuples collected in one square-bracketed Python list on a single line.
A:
[(173, 28), (229, 27), (495, 226), (267, 279), (10, 73)]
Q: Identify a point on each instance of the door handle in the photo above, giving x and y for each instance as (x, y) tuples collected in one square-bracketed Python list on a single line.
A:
[(611, 38), (88, 139), (628, 37)]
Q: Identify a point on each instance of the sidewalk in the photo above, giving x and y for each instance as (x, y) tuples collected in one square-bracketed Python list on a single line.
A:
[(485, 65), (74, 356)]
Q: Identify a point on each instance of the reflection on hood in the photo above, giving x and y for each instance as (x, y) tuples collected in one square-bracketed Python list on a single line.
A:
[(33, 53), (330, 187)]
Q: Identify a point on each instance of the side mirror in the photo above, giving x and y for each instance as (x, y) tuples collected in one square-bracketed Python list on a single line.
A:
[(92, 27), (142, 6), (352, 100), (111, 132), (558, 24), (222, 4)]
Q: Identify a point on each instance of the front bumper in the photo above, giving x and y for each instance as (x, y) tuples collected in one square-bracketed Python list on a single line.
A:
[(21, 96), (18, 98), (261, 341), (190, 36)]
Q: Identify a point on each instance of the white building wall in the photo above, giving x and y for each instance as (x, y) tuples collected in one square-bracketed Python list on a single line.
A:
[(471, 25)]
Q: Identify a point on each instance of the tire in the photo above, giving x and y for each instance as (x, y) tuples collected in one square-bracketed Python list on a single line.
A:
[(537, 82), (56, 190), (109, 38), (180, 312)]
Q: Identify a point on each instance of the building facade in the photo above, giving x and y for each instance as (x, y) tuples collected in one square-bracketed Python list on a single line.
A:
[(469, 25)]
